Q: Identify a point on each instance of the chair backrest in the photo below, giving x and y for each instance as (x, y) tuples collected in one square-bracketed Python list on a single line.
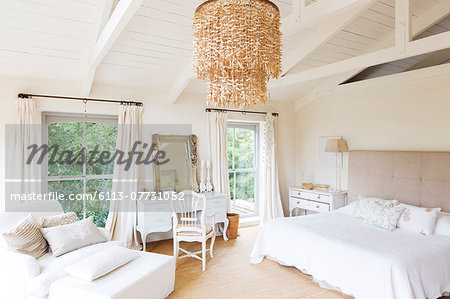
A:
[(188, 209)]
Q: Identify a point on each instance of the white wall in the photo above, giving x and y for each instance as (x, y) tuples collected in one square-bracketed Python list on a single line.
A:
[(190, 109), (412, 116)]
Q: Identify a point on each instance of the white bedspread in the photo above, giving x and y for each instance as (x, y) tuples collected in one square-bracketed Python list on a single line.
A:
[(359, 259)]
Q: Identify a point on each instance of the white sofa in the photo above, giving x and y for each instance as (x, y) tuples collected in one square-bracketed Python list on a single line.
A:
[(24, 277)]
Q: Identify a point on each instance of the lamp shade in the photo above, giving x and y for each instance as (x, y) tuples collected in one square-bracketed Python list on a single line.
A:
[(336, 146)]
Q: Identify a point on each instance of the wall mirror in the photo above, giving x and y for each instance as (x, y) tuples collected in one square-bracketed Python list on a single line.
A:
[(180, 172)]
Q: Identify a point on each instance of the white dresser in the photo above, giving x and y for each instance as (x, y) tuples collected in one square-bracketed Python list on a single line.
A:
[(315, 200), (156, 216)]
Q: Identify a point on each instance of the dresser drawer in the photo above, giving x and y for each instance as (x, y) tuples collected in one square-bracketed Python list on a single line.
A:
[(311, 196), (215, 203), (312, 205), (157, 219)]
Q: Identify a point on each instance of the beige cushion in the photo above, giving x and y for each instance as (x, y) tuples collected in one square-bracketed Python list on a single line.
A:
[(101, 263), (56, 220), (193, 233), (69, 237), (418, 220), (26, 238)]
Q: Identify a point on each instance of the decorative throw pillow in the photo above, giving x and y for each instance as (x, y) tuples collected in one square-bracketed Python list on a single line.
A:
[(442, 226), (57, 220), (365, 204), (25, 237), (383, 215), (101, 263), (69, 237), (419, 220)]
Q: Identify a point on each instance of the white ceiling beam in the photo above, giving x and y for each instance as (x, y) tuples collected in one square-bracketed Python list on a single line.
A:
[(325, 31), (414, 48), (314, 14), (180, 84), (301, 18), (418, 25), (119, 19), (402, 24)]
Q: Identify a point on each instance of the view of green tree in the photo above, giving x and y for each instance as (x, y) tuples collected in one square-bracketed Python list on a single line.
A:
[(241, 164), (70, 179)]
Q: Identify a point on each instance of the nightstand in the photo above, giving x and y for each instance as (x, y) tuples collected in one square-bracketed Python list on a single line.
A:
[(316, 200)]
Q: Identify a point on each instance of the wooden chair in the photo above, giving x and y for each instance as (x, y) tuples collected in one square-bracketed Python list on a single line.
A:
[(191, 224)]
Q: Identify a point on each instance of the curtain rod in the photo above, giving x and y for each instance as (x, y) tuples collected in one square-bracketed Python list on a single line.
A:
[(27, 95), (239, 111)]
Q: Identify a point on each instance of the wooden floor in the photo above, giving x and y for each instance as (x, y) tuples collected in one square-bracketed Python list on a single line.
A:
[(230, 275)]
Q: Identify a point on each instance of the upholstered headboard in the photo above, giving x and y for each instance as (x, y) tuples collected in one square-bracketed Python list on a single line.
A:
[(417, 178)]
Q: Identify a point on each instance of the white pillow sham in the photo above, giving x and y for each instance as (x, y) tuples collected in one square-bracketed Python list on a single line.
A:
[(101, 263), (418, 220), (364, 205), (69, 237), (442, 226)]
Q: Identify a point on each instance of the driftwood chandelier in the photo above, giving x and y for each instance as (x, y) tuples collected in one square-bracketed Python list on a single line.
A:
[(237, 49)]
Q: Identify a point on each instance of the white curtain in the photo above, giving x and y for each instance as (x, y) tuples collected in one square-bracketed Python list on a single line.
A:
[(122, 216), (217, 134), (270, 199)]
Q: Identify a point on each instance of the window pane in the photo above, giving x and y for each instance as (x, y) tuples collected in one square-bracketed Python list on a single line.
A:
[(230, 147), (231, 180), (97, 208), (101, 138), (245, 192), (68, 137), (244, 148), (69, 187)]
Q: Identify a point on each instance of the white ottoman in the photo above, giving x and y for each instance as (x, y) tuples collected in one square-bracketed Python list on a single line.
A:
[(148, 276)]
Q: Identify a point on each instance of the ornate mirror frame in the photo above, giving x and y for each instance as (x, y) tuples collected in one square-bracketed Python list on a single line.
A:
[(191, 142)]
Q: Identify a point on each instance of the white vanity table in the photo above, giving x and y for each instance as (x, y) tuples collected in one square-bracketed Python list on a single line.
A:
[(156, 216)]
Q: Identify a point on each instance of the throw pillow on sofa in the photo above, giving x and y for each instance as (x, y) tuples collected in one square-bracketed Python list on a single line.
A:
[(26, 237), (51, 221), (68, 237)]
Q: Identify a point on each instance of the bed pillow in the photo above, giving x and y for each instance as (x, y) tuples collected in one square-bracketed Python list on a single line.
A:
[(101, 263), (419, 220), (383, 215), (348, 209), (57, 220), (69, 237), (26, 237), (365, 205), (442, 226)]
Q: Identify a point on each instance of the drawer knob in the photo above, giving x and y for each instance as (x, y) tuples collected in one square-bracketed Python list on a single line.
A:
[(298, 202), (318, 196), (317, 207)]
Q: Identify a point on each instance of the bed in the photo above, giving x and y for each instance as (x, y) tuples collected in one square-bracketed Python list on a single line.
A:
[(342, 252)]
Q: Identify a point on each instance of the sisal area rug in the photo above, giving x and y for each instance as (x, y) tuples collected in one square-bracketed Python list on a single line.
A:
[(230, 275)]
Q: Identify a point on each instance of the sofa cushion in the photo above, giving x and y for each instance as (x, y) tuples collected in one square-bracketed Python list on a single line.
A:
[(52, 268), (101, 263), (68, 237), (149, 276), (26, 237)]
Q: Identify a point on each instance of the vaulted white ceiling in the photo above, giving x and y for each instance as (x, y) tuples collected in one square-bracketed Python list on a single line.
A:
[(148, 43)]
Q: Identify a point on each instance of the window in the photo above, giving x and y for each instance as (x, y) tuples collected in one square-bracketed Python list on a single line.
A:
[(243, 167), (72, 134)]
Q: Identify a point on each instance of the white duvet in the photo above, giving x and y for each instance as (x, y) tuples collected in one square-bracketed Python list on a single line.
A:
[(357, 258)]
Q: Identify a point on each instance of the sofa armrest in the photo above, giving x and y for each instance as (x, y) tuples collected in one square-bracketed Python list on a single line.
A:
[(106, 233), (15, 272)]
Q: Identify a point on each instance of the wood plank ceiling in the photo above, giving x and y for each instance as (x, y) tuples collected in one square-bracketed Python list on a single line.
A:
[(54, 39)]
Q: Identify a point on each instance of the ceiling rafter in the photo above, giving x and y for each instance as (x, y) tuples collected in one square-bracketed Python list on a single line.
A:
[(414, 48), (325, 31), (119, 19), (418, 25), (302, 17)]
